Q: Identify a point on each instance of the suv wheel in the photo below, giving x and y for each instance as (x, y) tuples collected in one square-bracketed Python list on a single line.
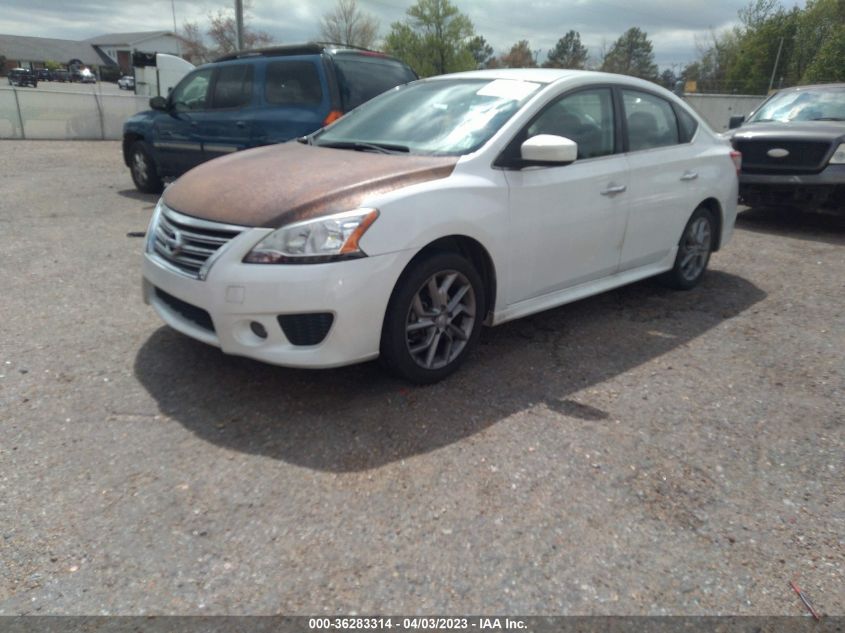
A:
[(433, 319), (143, 168)]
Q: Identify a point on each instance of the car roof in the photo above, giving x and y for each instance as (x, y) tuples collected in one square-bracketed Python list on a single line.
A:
[(813, 87), (308, 48), (551, 75)]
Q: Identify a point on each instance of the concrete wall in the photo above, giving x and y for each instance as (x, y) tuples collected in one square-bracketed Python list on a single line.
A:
[(57, 115), (718, 109)]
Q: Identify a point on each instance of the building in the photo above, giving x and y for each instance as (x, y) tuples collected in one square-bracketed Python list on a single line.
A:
[(113, 50)]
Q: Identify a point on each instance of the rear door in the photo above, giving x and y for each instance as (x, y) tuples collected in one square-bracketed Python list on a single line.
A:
[(227, 125), (665, 185), (294, 97)]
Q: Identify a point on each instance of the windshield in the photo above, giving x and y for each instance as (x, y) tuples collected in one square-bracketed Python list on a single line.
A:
[(820, 104), (443, 116)]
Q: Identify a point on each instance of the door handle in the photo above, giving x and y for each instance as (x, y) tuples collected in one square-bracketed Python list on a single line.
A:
[(612, 190), (194, 124), (240, 124), (689, 175)]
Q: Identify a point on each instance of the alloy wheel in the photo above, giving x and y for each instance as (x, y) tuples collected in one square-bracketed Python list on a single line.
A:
[(440, 319), (695, 248)]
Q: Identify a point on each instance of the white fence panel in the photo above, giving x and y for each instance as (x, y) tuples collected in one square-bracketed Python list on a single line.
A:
[(10, 122)]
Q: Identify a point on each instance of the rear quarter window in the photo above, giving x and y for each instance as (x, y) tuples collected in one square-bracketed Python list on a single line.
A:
[(688, 125), (293, 83), (361, 78)]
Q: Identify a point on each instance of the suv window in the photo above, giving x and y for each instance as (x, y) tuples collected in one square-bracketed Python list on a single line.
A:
[(192, 92), (585, 117), (232, 87), (651, 121), (362, 78), (293, 83)]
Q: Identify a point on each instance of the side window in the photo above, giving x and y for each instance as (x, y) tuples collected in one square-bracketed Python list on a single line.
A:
[(192, 91), (293, 83), (689, 126), (585, 117), (651, 121), (362, 78), (233, 87)]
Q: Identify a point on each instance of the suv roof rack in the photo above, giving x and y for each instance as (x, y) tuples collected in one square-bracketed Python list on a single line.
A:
[(308, 48)]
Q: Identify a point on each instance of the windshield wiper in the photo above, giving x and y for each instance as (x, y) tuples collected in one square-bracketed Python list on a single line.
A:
[(305, 140), (828, 118), (360, 146)]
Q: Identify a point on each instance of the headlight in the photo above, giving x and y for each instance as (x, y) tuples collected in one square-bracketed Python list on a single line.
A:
[(838, 157), (151, 229), (315, 241)]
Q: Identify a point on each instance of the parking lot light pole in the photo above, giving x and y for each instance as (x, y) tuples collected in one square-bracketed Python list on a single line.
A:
[(239, 22)]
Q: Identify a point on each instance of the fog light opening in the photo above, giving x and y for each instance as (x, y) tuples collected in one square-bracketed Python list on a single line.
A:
[(259, 330)]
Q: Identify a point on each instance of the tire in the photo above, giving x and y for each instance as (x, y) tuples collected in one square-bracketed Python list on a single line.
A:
[(694, 250), (425, 354), (143, 168)]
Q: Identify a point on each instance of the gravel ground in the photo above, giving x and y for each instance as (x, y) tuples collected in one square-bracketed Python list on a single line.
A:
[(640, 452)]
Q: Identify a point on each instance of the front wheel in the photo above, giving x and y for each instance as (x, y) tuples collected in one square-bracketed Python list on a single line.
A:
[(143, 168), (693, 251), (433, 319)]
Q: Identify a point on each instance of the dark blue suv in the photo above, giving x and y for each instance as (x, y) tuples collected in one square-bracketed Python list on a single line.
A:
[(248, 99)]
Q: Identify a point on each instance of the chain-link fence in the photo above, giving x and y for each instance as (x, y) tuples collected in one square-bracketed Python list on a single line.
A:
[(65, 115)]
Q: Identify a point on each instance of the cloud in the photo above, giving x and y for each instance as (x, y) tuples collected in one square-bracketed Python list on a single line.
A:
[(674, 26)]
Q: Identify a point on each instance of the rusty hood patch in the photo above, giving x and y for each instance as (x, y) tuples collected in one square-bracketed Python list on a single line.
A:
[(279, 184)]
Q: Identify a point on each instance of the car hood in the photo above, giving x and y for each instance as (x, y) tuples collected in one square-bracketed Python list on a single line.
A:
[(279, 184), (794, 130)]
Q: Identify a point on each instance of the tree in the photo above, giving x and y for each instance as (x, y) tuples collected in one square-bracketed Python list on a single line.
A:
[(568, 53), (346, 24), (224, 34), (829, 63), (519, 56), (434, 38), (193, 46), (481, 51), (668, 79), (632, 54)]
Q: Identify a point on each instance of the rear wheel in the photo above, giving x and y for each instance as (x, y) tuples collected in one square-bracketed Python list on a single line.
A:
[(433, 319), (143, 168), (693, 251)]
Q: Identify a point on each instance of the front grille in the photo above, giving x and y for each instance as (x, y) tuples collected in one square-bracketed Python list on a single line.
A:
[(188, 311), (306, 329), (803, 157), (186, 242)]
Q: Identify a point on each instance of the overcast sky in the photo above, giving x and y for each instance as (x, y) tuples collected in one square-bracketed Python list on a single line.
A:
[(675, 26)]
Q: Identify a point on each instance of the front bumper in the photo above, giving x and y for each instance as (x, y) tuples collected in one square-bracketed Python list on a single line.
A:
[(811, 191), (235, 295)]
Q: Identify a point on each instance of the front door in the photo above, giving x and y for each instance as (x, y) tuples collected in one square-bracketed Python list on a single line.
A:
[(176, 131), (567, 223)]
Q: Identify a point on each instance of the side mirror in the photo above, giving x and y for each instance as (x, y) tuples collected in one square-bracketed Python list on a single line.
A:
[(548, 149), (736, 121), (158, 103)]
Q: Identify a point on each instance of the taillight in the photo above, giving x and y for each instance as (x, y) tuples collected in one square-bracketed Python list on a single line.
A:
[(333, 116), (736, 157)]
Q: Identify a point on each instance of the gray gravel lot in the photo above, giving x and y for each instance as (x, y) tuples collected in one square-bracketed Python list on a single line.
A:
[(640, 452)]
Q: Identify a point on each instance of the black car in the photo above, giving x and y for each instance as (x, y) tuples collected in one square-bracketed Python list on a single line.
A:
[(793, 150), (43, 74), (61, 76), (252, 98), (22, 77)]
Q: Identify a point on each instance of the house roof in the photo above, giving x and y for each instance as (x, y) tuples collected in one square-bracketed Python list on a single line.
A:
[(125, 39), (22, 47)]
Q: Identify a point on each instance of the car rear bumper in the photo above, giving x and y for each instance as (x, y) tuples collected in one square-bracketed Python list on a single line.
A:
[(339, 305)]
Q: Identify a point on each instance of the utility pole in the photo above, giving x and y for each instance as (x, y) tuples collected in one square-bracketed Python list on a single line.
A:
[(239, 23), (775, 69)]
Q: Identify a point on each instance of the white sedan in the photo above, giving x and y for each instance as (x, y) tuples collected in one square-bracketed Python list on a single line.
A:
[(447, 204)]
